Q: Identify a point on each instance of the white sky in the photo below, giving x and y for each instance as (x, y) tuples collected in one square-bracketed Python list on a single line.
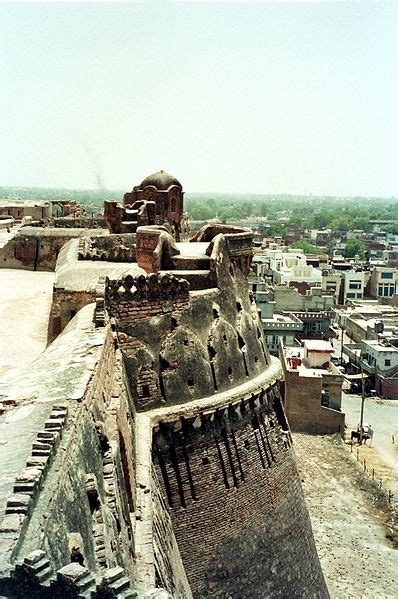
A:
[(263, 98)]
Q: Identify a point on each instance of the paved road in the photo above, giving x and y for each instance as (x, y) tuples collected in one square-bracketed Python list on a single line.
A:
[(382, 415)]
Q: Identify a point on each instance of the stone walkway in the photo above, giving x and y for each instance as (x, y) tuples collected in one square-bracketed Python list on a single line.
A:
[(25, 301)]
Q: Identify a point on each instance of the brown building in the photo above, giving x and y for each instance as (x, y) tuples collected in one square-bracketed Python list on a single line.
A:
[(19, 209), (312, 388)]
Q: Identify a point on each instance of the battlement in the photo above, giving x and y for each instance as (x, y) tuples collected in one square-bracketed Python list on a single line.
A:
[(109, 248), (35, 578), (127, 218), (152, 287)]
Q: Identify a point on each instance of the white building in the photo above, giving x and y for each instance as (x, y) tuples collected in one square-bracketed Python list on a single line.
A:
[(379, 354), (383, 281), (353, 285), (286, 267)]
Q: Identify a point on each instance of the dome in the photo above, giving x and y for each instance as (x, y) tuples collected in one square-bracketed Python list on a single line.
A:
[(161, 180)]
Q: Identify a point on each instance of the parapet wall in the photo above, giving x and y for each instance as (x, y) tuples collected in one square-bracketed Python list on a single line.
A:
[(112, 248), (33, 251), (83, 222), (37, 248), (78, 486)]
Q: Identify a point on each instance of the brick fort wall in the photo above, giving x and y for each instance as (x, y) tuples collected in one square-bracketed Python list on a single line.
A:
[(237, 506)]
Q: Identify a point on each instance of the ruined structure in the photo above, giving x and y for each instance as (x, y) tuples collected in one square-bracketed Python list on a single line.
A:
[(157, 200), (147, 451)]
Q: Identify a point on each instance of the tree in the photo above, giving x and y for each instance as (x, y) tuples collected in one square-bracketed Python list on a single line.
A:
[(360, 223), (274, 230), (339, 224), (354, 247), (393, 229), (228, 213), (306, 246), (295, 219)]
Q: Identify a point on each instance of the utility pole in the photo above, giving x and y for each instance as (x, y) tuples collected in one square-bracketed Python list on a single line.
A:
[(341, 348), (363, 397)]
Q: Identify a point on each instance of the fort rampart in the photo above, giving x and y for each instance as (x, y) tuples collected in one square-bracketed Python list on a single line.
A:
[(150, 454)]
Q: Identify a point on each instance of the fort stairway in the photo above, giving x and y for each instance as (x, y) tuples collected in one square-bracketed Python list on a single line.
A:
[(130, 222), (130, 226), (36, 566), (83, 581), (116, 582), (196, 262), (197, 279)]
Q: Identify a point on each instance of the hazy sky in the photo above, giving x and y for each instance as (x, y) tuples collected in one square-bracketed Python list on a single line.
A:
[(245, 97)]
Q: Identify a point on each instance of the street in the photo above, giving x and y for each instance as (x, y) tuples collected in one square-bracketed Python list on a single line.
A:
[(382, 415)]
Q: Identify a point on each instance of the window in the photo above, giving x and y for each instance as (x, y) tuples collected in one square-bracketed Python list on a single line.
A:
[(386, 275), (355, 285), (325, 398), (350, 294), (387, 362), (386, 289)]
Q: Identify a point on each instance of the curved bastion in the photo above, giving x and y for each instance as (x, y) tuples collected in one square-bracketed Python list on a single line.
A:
[(146, 452), (201, 377)]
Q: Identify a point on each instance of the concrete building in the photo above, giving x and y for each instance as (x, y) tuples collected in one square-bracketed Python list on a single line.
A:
[(281, 328), (331, 283), (321, 237), (367, 319), (378, 359), (312, 307), (291, 266), (383, 282), (353, 284), (312, 388), (382, 355)]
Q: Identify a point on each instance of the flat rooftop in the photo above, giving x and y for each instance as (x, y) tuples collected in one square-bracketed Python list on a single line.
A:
[(15, 203), (318, 345), (303, 369), (381, 347)]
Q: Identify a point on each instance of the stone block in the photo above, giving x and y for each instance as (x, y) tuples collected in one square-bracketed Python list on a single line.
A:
[(73, 572), (55, 424), (34, 556), (113, 574), (37, 461), (12, 523)]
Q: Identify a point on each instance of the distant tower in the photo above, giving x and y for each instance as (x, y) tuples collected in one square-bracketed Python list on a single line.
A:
[(166, 191)]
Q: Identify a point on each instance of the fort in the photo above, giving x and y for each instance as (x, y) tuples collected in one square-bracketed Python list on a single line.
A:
[(146, 452)]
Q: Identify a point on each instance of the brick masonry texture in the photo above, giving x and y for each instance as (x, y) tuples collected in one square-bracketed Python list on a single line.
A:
[(238, 510), (302, 397)]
